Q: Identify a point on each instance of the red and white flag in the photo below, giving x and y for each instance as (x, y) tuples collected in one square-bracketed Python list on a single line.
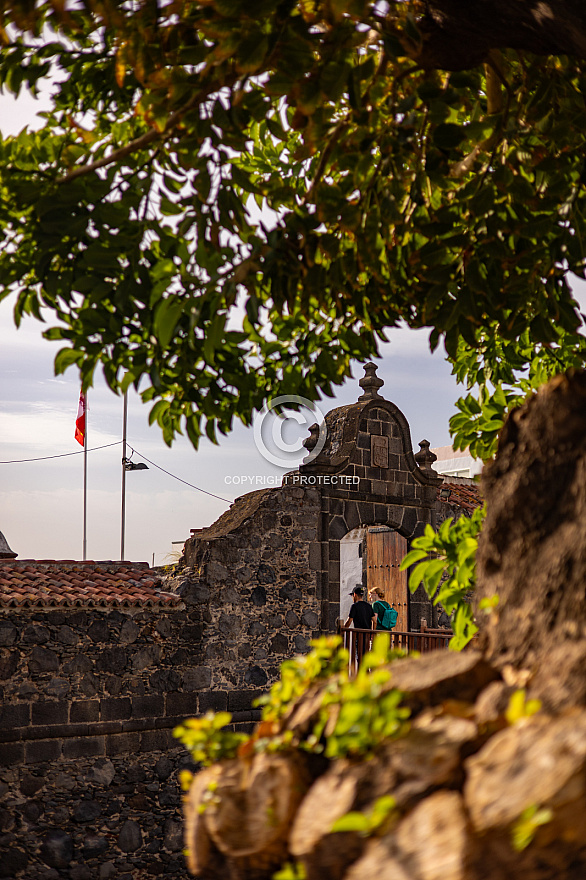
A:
[(80, 420)]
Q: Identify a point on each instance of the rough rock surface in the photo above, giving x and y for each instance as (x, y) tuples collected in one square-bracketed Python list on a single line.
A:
[(466, 781)]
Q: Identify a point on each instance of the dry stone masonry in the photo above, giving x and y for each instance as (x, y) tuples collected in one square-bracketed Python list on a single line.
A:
[(99, 661), (485, 787)]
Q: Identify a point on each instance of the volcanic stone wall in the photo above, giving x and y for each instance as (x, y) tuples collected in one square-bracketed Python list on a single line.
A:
[(254, 569), (88, 776), (88, 763)]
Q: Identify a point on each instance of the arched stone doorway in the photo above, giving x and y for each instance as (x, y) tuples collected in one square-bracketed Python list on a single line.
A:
[(370, 556), (385, 549)]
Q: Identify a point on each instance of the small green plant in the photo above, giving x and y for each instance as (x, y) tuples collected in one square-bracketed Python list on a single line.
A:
[(206, 739), (445, 563), (519, 707), (327, 657), (291, 871), (367, 824), (489, 603), (526, 827), (358, 714), (352, 717)]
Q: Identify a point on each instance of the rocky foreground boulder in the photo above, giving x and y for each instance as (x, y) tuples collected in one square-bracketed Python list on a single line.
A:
[(483, 786)]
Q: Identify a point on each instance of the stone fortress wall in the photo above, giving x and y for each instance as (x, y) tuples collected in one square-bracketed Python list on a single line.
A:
[(91, 692)]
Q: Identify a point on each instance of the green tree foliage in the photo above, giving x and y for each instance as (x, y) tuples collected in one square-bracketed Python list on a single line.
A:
[(230, 200), (445, 563)]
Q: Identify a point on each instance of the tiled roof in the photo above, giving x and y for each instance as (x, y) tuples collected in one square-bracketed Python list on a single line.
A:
[(31, 583), (466, 497)]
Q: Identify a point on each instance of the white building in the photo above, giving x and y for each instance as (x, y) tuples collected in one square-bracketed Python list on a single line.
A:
[(455, 464)]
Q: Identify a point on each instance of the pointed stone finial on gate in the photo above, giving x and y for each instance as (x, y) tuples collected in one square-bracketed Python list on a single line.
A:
[(5, 551), (370, 383), (425, 458)]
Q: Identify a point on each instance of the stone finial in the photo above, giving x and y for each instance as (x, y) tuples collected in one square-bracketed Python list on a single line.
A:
[(370, 383), (425, 458), (5, 551), (311, 441), (315, 442)]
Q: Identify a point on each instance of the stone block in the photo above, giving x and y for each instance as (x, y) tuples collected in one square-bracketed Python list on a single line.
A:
[(115, 708), (80, 663), (181, 704), (338, 528), (302, 644), (256, 676), (42, 751), (290, 592), (194, 594), (241, 701), (197, 678), (315, 556), (146, 657), (258, 596), (30, 785), (310, 618), (129, 632), (57, 849), (11, 754), (86, 810), (43, 660), (213, 700), (8, 634), (130, 837), (113, 660), (279, 644), (99, 632), (148, 706), (409, 521), (157, 740), (84, 710), (366, 510), (49, 712), (334, 570), (85, 747), (266, 574), (15, 715), (36, 635), (230, 625), (58, 687), (67, 636), (122, 744), (165, 680)]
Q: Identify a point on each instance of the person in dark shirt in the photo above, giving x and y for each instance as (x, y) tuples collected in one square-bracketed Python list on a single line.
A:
[(361, 613)]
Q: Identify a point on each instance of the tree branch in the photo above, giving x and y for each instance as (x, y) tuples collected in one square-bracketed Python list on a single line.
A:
[(150, 136)]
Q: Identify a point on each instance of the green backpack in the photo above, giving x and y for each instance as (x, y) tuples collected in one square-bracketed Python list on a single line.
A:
[(389, 617)]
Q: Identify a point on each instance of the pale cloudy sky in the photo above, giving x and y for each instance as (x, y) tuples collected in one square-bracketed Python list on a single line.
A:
[(41, 502)]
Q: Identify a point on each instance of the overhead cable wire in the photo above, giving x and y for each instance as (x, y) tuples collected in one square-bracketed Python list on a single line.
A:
[(62, 455), (169, 474), (106, 446)]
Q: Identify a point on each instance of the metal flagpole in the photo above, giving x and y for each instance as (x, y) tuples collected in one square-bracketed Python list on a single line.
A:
[(85, 421), (124, 419)]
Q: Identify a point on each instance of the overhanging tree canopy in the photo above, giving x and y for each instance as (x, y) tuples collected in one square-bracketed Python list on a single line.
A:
[(410, 161)]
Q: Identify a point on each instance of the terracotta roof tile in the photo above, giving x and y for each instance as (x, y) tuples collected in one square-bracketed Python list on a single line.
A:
[(48, 583), (467, 497)]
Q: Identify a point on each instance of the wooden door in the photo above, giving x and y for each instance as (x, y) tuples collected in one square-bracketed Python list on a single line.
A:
[(384, 553)]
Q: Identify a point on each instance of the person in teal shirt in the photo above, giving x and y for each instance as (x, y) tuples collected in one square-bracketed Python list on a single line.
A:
[(381, 607)]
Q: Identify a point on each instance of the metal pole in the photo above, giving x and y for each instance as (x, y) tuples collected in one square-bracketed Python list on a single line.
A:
[(124, 420), (85, 418)]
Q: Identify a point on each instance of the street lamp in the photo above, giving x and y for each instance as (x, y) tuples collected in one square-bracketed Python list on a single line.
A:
[(127, 465)]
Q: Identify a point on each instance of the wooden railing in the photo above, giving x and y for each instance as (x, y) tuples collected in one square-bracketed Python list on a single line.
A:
[(359, 641)]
